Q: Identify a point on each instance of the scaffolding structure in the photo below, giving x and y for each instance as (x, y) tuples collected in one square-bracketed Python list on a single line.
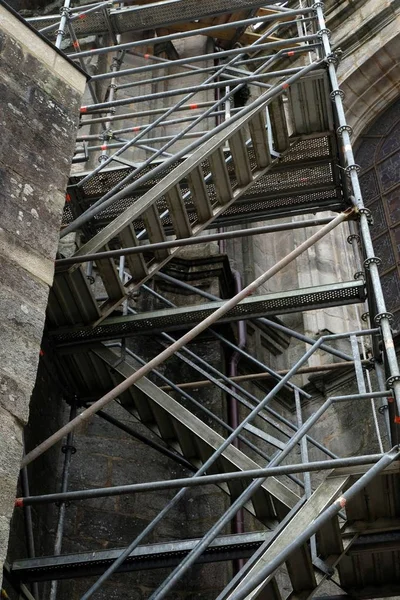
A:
[(285, 152)]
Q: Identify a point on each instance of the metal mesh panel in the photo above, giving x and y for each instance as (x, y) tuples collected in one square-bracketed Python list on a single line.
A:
[(175, 319), (175, 11), (92, 23)]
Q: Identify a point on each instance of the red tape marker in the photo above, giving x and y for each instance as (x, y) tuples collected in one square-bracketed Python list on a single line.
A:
[(19, 502), (193, 106), (83, 109)]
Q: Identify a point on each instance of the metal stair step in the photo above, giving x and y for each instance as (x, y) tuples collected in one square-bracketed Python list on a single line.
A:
[(259, 137), (175, 319), (112, 284), (155, 230), (199, 194), (144, 208), (177, 212), (279, 125), (135, 262), (71, 300), (310, 105), (220, 176), (241, 161)]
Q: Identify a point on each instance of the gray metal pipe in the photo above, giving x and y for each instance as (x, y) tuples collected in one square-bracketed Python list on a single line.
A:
[(114, 132), (63, 23), (30, 542), (188, 90), (171, 484), (199, 239), (217, 55), (143, 113), (174, 76), (68, 450)]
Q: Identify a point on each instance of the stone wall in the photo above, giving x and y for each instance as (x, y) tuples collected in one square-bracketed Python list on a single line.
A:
[(40, 93)]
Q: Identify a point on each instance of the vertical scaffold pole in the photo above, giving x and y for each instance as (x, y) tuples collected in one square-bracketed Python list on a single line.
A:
[(63, 22), (383, 318)]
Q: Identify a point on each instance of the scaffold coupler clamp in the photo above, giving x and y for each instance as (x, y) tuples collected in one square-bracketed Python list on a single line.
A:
[(372, 260), (365, 211), (354, 237)]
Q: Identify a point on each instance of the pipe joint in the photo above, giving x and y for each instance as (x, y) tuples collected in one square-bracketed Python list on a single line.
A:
[(337, 92), (333, 58), (365, 211), (354, 237), (383, 315), (359, 275), (390, 381), (340, 130), (318, 5), (68, 448), (352, 168), (365, 317), (372, 260), (108, 134), (323, 32)]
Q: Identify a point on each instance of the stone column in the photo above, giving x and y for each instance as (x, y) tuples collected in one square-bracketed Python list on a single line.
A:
[(41, 93)]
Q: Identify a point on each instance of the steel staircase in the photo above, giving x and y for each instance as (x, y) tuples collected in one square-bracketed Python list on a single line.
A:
[(201, 189)]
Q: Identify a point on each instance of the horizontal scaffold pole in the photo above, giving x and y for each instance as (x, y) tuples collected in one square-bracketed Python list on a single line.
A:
[(171, 484), (213, 237)]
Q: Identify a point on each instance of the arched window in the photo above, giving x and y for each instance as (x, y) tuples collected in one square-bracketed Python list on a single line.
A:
[(378, 155)]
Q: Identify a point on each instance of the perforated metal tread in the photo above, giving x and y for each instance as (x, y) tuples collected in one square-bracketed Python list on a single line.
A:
[(154, 15), (186, 317), (175, 11), (165, 554)]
